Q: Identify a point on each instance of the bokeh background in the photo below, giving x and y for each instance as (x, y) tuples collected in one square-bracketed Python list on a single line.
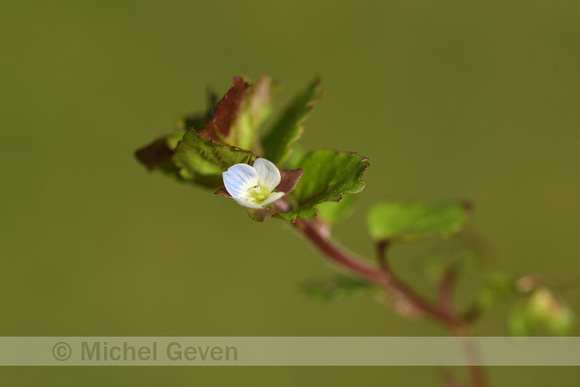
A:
[(449, 99)]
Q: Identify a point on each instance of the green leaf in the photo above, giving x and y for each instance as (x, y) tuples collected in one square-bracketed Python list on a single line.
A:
[(158, 155), (327, 176), (203, 161), (519, 322), (253, 111), (289, 127), (541, 313), (338, 288), (497, 287), (213, 138), (219, 128), (238, 115), (333, 212), (399, 221)]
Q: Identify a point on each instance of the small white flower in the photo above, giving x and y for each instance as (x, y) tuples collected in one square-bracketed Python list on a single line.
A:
[(253, 186)]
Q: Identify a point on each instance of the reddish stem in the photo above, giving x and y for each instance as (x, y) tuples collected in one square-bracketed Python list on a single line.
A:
[(381, 276), (445, 296), (319, 239), (317, 234)]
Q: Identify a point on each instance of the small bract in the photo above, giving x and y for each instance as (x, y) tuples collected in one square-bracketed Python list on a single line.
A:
[(253, 186)]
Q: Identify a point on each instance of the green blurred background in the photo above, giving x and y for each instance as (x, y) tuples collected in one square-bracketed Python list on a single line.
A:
[(449, 99)]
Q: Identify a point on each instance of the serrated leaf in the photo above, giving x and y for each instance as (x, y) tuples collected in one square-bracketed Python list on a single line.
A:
[(277, 143), (337, 288), (327, 176), (203, 161), (399, 221)]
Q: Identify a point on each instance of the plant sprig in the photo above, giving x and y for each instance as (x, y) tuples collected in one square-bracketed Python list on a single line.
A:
[(227, 150)]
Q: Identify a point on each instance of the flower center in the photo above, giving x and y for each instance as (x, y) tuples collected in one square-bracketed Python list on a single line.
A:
[(257, 194)]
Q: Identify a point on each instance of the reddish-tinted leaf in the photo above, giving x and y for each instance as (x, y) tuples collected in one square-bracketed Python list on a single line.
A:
[(289, 180), (226, 111), (158, 155), (154, 154)]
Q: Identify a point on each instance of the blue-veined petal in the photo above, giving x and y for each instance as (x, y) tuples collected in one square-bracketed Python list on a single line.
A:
[(268, 174), (239, 178)]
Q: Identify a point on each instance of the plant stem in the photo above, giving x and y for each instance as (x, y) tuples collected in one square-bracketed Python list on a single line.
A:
[(319, 239), (475, 370), (380, 275), (445, 296), (317, 234)]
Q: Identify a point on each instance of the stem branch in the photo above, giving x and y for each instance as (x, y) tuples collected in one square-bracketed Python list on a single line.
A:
[(317, 234)]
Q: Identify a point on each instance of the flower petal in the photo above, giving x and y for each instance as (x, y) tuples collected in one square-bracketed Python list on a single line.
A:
[(245, 203), (272, 198), (268, 174), (239, 178)]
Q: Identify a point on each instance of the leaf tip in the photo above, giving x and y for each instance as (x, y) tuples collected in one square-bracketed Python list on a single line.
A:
[(223, 192)]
